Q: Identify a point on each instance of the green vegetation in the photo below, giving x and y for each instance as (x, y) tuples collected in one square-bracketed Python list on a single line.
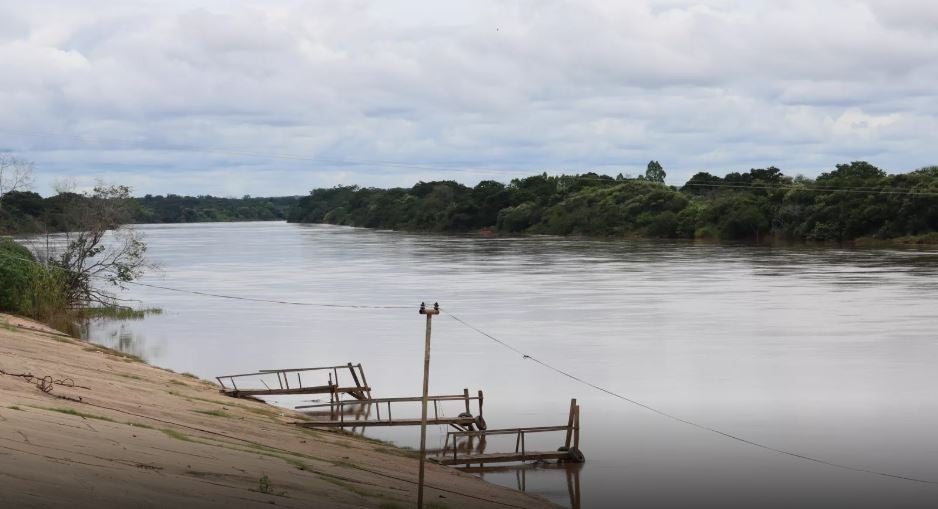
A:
[(198, 209), (171, 433), (263, 484), (853, 201), (28, 212), (71, 411), (63, 281), (214, 413), (119, 312), (28, 288)]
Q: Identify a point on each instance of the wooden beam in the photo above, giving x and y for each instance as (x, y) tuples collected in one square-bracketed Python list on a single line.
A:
[(566, 442), (445, 421), (322, 389), (500, 457)]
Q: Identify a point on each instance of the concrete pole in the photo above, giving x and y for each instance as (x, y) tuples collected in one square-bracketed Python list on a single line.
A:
[(426, 388)]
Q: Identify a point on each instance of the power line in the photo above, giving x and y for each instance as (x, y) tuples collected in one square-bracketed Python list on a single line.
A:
[(269, 301), (687, 421)]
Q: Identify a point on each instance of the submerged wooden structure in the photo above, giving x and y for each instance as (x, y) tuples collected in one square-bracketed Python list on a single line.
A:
[(255, 384), (357, 412), (337, 410), (569, 452)]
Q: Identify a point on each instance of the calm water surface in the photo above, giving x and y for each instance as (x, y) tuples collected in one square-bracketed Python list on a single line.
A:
[(826, 352)]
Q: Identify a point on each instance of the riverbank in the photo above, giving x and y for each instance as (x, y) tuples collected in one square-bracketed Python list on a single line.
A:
[(130, 434)]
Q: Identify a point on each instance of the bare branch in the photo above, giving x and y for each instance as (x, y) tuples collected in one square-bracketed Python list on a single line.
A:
[(15, 175)]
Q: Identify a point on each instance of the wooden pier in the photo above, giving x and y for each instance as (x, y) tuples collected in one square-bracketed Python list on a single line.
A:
[(569, 452), (256, 384), (463, 421)]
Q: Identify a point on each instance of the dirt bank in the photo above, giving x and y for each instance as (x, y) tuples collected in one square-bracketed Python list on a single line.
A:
[(141, 436)]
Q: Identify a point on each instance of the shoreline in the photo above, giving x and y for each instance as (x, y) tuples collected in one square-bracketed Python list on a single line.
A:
[(128, 432)]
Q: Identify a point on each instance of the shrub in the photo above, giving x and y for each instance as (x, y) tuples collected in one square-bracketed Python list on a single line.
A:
[(27, 288)]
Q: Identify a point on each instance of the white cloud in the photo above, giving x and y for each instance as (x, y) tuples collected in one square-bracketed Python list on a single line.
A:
[(174, 96)]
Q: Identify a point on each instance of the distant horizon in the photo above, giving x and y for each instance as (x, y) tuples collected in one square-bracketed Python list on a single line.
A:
[(668, 181)]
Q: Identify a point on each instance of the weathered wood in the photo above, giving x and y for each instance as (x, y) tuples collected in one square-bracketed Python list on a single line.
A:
[(566, 442), (322, 389), (512, 431), (520, 454), (351, 369), (389, 422), (414, 399), (500, 457), (361, 371)]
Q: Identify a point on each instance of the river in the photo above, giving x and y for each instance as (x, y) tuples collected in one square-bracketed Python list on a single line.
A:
[(826, 352)]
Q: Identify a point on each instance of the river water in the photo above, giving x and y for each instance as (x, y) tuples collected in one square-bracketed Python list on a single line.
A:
[(825, 352)]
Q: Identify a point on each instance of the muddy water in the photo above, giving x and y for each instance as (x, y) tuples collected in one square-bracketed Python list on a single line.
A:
[(825, 352)]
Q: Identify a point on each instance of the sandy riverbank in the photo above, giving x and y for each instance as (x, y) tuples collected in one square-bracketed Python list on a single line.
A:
[(141, 436)]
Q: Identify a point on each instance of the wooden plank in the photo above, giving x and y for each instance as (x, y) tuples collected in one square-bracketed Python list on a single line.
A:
[(509, 431), (393, 422), (288, 370), (566, 442), (358, 394), (322, 389), (458, 397), (361, 371), (500, 457)]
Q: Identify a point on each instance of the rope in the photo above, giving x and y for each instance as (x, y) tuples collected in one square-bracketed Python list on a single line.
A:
[(688, 422)]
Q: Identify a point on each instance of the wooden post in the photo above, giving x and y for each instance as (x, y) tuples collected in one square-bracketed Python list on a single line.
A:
[(566, 442), (480, 403), (361, 371), (423, 411), (351, 370), (576, 428), (465, 395)]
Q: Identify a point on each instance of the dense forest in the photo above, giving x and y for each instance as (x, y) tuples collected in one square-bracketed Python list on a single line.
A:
[(855, 200), (28, 212)]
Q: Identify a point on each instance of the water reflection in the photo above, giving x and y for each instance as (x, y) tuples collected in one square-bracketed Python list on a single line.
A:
[(548, 477), (116, 334)]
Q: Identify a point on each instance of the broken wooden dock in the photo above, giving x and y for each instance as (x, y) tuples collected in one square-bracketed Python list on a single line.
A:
[(251, 383), (336, 412), (569, 452)]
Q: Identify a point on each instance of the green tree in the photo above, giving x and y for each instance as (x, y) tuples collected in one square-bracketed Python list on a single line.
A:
[(655, 172)]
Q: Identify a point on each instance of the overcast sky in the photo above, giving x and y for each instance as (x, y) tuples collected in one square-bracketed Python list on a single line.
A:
[(276, 97)]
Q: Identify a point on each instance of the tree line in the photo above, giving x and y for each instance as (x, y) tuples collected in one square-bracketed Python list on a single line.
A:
[(27, 212), (854, 200)]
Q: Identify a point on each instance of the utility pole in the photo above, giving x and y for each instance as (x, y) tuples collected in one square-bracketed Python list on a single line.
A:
[(426, 387)]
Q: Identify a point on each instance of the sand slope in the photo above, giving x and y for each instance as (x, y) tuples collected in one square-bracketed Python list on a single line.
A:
[(145, 437)]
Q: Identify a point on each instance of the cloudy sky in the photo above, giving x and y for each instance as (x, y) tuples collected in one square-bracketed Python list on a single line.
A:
[(275, 97)]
